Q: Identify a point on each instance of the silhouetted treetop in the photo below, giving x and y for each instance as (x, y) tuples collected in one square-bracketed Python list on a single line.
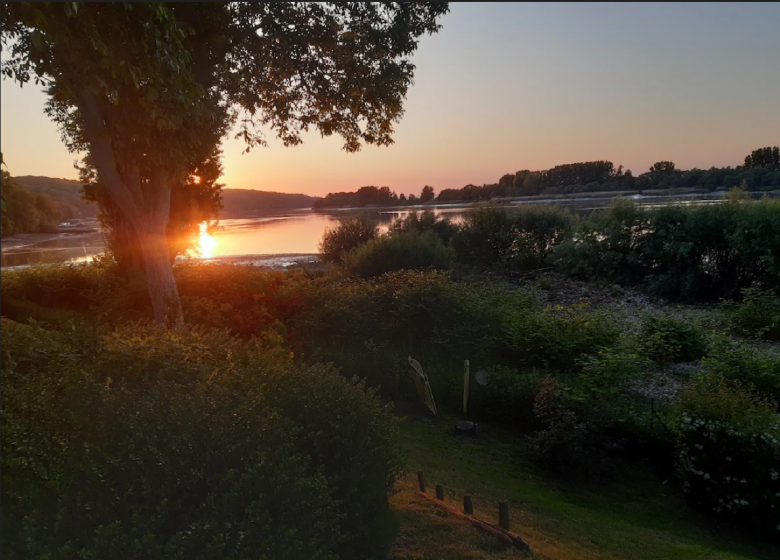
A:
[(763, 157)]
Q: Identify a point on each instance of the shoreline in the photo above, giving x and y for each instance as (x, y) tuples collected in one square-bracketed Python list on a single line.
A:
[(280, 261), (276, 261)]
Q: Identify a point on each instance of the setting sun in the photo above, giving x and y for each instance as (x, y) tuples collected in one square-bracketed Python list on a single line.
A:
[(206, 242)]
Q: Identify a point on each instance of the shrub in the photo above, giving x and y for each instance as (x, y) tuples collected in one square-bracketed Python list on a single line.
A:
[(742, 363), (568, 440), (424, 222), (701, 252), (729, 452), (348, 235), (142, 443), (410, 251), (556, 337), (606, 245), (668, 340), (94, 289), (370, 326), (515, 238), (257, 300), (352, 442), (758, 314)]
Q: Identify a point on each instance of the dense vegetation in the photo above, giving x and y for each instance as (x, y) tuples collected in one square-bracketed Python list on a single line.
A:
[(701, 252), (595, 388), (135, 442), (24, 211), (64, 191), (372, 196), (760, 172)]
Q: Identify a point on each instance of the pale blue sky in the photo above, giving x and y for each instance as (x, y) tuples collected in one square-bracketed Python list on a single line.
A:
[(505, 87)]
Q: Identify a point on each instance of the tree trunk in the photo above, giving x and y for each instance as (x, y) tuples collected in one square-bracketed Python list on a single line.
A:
[(146, 210), (159, 278)]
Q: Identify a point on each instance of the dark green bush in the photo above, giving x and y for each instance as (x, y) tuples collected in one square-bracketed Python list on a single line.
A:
[(370, 326), (556, 337), (378, 323), (424, 222), (142, 443), (745, 364), (669, 340), (606, 245), (350, 234), (588, 418), (400, 251), (706, 251), (757, 315), (514, 238), (569, 441), (729, 453)]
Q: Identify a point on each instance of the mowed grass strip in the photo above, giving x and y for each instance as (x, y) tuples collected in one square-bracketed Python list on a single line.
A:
[(634, 516)]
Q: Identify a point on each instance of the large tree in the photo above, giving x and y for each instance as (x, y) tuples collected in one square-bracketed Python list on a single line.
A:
[(148, 90)]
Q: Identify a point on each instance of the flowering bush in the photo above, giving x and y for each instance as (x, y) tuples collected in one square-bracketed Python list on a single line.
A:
[(729, 453)]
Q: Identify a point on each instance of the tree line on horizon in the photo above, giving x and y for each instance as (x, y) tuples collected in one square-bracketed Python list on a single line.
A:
[(373, 196), (760, 172)]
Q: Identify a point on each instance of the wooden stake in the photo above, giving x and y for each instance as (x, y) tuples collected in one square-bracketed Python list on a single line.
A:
[(503, 515), (440, 492), (421, 480), (465, 386), (468, 507)]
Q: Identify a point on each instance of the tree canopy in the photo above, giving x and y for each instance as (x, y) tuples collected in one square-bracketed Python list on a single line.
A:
[(148, 90)]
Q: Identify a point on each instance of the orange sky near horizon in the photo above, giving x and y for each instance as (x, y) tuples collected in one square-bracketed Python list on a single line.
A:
[(504, 87)]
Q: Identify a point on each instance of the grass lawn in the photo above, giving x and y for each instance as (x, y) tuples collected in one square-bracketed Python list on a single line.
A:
[(634, 516)]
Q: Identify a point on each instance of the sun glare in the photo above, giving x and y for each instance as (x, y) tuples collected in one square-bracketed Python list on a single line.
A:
[(206, 243)]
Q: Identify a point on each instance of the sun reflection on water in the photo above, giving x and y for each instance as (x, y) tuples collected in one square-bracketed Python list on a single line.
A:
[(206, 242)]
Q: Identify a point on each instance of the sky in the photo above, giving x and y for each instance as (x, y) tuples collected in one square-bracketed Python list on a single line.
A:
[(510, 86)]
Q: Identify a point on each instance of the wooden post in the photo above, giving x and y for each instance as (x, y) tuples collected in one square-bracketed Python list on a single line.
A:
[(503, 515), (468, 507), (513, 540), (465, 386), (421, 480), (652, 413), (440, 492)]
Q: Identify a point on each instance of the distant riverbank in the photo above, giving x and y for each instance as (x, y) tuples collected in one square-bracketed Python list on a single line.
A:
[(586, 200)]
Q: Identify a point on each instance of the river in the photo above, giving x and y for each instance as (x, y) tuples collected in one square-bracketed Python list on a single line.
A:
[(292, 233)]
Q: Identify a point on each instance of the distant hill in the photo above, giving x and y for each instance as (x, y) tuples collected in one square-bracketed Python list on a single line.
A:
[(64, 190), (240, 203)]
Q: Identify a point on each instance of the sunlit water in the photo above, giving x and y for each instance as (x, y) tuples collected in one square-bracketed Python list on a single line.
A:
[(292, 233)]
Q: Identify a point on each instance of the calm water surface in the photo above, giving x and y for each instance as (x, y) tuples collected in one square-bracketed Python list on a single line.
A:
[(281, 234)]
